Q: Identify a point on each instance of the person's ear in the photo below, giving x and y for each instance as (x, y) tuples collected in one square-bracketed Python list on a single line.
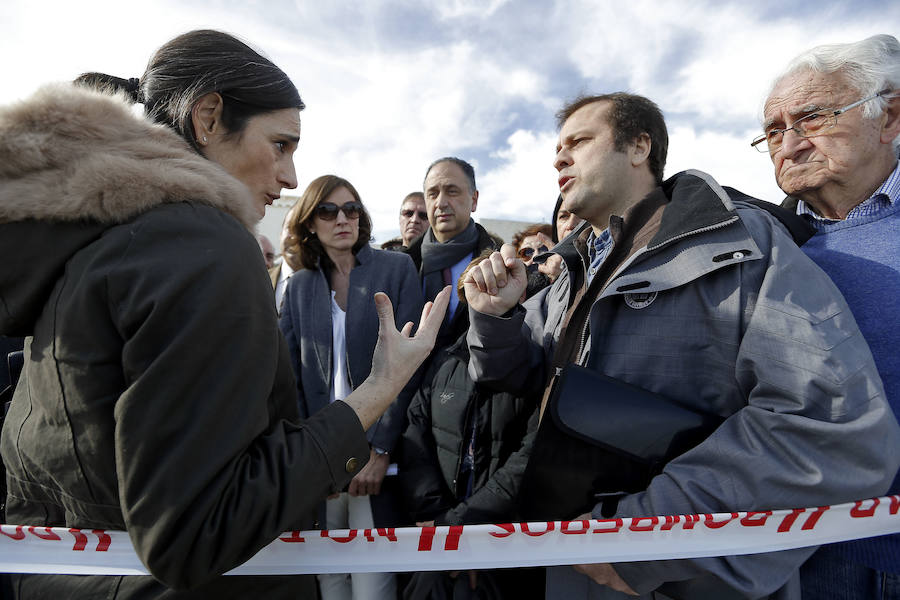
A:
[(640, 149), (206, 118), (474, 201), (890, 128)]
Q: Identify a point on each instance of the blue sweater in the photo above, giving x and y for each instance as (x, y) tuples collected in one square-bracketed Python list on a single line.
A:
[(862, 256)]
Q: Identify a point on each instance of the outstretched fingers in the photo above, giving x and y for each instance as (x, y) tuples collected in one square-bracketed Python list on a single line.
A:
[(385, 310), (429, 323), (433, 313)]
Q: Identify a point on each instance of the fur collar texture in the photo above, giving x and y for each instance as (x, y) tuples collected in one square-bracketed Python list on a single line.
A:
[(68, 154)]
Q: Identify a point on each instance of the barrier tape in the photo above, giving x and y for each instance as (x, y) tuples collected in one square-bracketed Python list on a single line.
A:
[(29, 549)]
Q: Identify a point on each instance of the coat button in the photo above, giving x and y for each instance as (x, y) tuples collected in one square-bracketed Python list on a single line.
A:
[(351, 465)]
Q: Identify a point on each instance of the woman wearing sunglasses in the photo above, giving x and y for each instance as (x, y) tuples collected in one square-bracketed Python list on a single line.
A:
[(532, 241), (331, 326)]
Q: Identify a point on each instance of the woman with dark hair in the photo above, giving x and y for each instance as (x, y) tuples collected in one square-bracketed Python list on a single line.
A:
[(329, 322), (532, 241), (157, 395)]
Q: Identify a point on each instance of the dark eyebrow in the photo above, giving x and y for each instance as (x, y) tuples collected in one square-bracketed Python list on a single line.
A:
[(578, 133), (806, 109)]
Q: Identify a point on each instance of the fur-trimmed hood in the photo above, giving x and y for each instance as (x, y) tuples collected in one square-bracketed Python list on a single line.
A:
[(70, 154), (75, 162)]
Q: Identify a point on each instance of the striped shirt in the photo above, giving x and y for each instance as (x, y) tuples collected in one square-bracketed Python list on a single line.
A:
[(884, 198), (598, 249)]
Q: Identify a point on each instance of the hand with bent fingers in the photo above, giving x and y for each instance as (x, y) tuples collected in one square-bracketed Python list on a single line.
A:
[(396, 357), (552, 267), (495, 285)]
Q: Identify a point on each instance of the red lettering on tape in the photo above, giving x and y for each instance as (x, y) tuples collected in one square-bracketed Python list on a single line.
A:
[(710, 521), (508, 530), (452, 542), (895, 504), (426, 538), (527, 531), (690, 521), (340, 539), (294, 538), (670, 522), (80, 540), (566, 525), (18, 535), (616, 525), (858, 511), (756, 519), (636, 526), (386, 532), (103, 540), (47, 535), (814, 518), (789, 519)]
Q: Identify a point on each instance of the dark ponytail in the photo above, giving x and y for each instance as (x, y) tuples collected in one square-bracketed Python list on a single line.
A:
[(102, 81), (198, 63)]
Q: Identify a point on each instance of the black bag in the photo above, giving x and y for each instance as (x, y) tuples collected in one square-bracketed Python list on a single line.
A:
[(601, 438)]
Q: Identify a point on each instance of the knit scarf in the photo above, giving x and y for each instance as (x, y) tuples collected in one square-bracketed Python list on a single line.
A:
[(437, 256)]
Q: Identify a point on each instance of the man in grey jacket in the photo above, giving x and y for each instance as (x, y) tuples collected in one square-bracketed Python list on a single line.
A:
[(691, 292)]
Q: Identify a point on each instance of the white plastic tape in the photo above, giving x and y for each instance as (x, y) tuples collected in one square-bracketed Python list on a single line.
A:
[(74, 551)]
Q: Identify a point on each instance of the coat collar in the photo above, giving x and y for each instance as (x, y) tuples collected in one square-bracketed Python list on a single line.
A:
[(694, 202)]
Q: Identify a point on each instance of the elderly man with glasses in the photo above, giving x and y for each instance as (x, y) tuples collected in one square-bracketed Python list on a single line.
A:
[(831, 125)]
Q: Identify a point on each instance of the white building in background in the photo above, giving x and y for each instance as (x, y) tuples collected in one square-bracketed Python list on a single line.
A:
[(270, 226)]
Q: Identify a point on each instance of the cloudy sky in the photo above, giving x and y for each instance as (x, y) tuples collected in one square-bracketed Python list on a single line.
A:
[(392, 85)]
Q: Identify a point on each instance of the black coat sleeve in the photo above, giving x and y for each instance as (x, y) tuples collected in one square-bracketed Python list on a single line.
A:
[(211, 459)]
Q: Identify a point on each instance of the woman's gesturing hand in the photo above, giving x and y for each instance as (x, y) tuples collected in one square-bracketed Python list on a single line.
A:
[(397, 356)]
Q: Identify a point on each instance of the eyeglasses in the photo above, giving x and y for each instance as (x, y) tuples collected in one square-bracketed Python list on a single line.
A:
[(811, 125), (527, 252), (328, 211), (408, 213)]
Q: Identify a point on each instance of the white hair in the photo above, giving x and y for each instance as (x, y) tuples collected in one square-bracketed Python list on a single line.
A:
[(869, 66)]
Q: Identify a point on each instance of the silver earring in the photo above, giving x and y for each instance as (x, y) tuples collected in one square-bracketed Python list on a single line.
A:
[(204, 139)]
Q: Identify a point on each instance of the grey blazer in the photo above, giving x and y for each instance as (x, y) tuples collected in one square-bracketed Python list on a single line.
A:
[(306, 324)]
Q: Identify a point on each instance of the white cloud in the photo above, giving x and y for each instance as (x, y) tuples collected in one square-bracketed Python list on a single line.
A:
[(728, 158), (387, 95), (523, 187), (453, 9)]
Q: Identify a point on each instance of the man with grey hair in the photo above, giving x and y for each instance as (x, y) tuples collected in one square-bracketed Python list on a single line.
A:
[(453, 239), (831, 124)]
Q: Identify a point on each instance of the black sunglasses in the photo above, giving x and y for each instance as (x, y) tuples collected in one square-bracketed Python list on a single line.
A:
[(527, 252), (408, 213), (327, 211)]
